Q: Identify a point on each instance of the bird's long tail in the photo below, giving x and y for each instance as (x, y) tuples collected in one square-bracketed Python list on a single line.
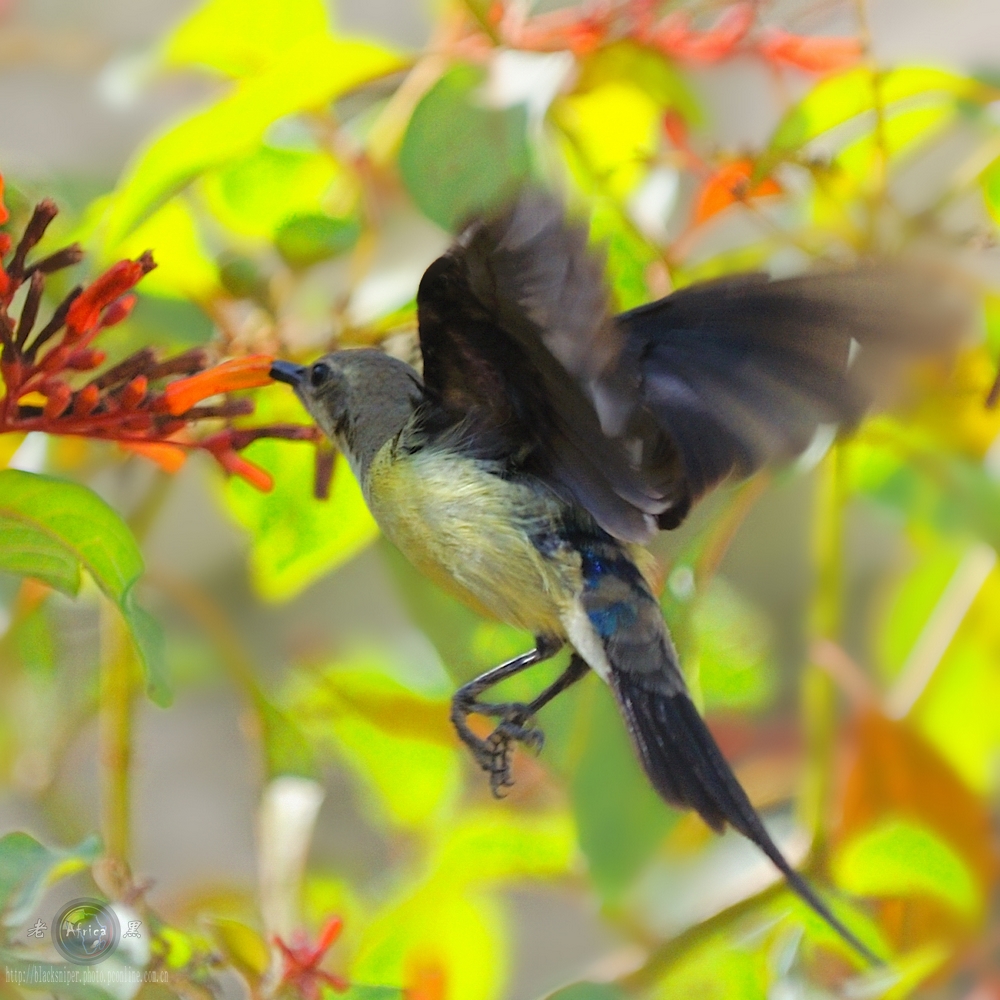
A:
[(687, 768)]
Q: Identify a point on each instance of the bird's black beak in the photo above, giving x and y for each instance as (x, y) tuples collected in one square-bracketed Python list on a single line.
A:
[(288, 372)]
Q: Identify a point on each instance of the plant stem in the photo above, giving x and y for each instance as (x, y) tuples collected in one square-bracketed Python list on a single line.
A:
[(117, 688), (818, 689)]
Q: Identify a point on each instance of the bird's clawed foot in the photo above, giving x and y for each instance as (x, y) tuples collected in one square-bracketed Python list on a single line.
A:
[(493, 753)]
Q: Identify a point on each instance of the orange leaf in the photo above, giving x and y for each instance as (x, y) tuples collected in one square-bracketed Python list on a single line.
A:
[(240, 373), (729, 184), (4, 214), (168, 457), (425, 980), (895, 772), (812, 54)]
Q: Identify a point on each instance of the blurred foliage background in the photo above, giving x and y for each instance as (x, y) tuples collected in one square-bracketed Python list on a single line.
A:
[(837, 620)]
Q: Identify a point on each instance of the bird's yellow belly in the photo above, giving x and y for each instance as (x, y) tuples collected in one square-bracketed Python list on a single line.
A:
[(471, 532)]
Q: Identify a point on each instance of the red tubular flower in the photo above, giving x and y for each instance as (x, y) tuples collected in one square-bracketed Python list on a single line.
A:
[(674, 36), (143, 403), (300, 962), (812, 54), (85, 313), (240, 373)]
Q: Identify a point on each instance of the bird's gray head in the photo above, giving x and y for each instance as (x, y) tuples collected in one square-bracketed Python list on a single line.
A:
[(359, 399)]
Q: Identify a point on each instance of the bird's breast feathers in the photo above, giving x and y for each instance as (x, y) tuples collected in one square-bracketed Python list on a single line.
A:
[(475, 533)]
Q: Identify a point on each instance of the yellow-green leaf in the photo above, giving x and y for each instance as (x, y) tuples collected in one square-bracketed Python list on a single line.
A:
[(499, 844), (991, 189), (732, 637), (241, 37), (245, 949), (51, 529), (399, 743), (840, 98), (252, 196), (28, 868), (183, 269), (614, 128), (304, 77), (627, 61), (900, 858), (464, 937)]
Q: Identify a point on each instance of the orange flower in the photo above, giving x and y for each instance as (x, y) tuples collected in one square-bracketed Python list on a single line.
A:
[(240, 373), (140, 402), (729, 184)]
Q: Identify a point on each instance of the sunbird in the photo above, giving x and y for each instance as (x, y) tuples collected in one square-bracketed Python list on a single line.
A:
[(547, 439)]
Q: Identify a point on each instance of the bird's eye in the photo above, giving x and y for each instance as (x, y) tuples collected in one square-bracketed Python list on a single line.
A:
[(319, 373)]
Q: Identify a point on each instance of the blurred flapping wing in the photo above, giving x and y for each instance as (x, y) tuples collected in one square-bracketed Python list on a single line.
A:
[(516, 339), (634, 417), (741, 371)]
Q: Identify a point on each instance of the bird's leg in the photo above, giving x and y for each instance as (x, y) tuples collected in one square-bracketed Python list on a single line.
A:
[(515, 724), (491, 754)]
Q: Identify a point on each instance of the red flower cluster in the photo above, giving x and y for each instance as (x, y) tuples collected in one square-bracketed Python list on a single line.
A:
[(582, 30), (301, 960), (52, 381)]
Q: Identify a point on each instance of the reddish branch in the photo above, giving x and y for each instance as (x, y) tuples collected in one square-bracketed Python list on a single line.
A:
[(54, 382)]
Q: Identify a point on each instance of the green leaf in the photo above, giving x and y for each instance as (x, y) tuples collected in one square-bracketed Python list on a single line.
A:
[(502, 845), (459, 156), (628, 254), (991, 192), (900, 134), (253, 195), (837, 99), (239, 38), (614, 132), (296, 539), (955, 712), (627, 61), (183, 269), (304, 240), (733, 649), (52, 528), (720, 968), (400, 744), (306, 76), (621, 820), (286, 748), (28, 551), (245, 949), (901, 858), (27, 868), (462, 936)]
